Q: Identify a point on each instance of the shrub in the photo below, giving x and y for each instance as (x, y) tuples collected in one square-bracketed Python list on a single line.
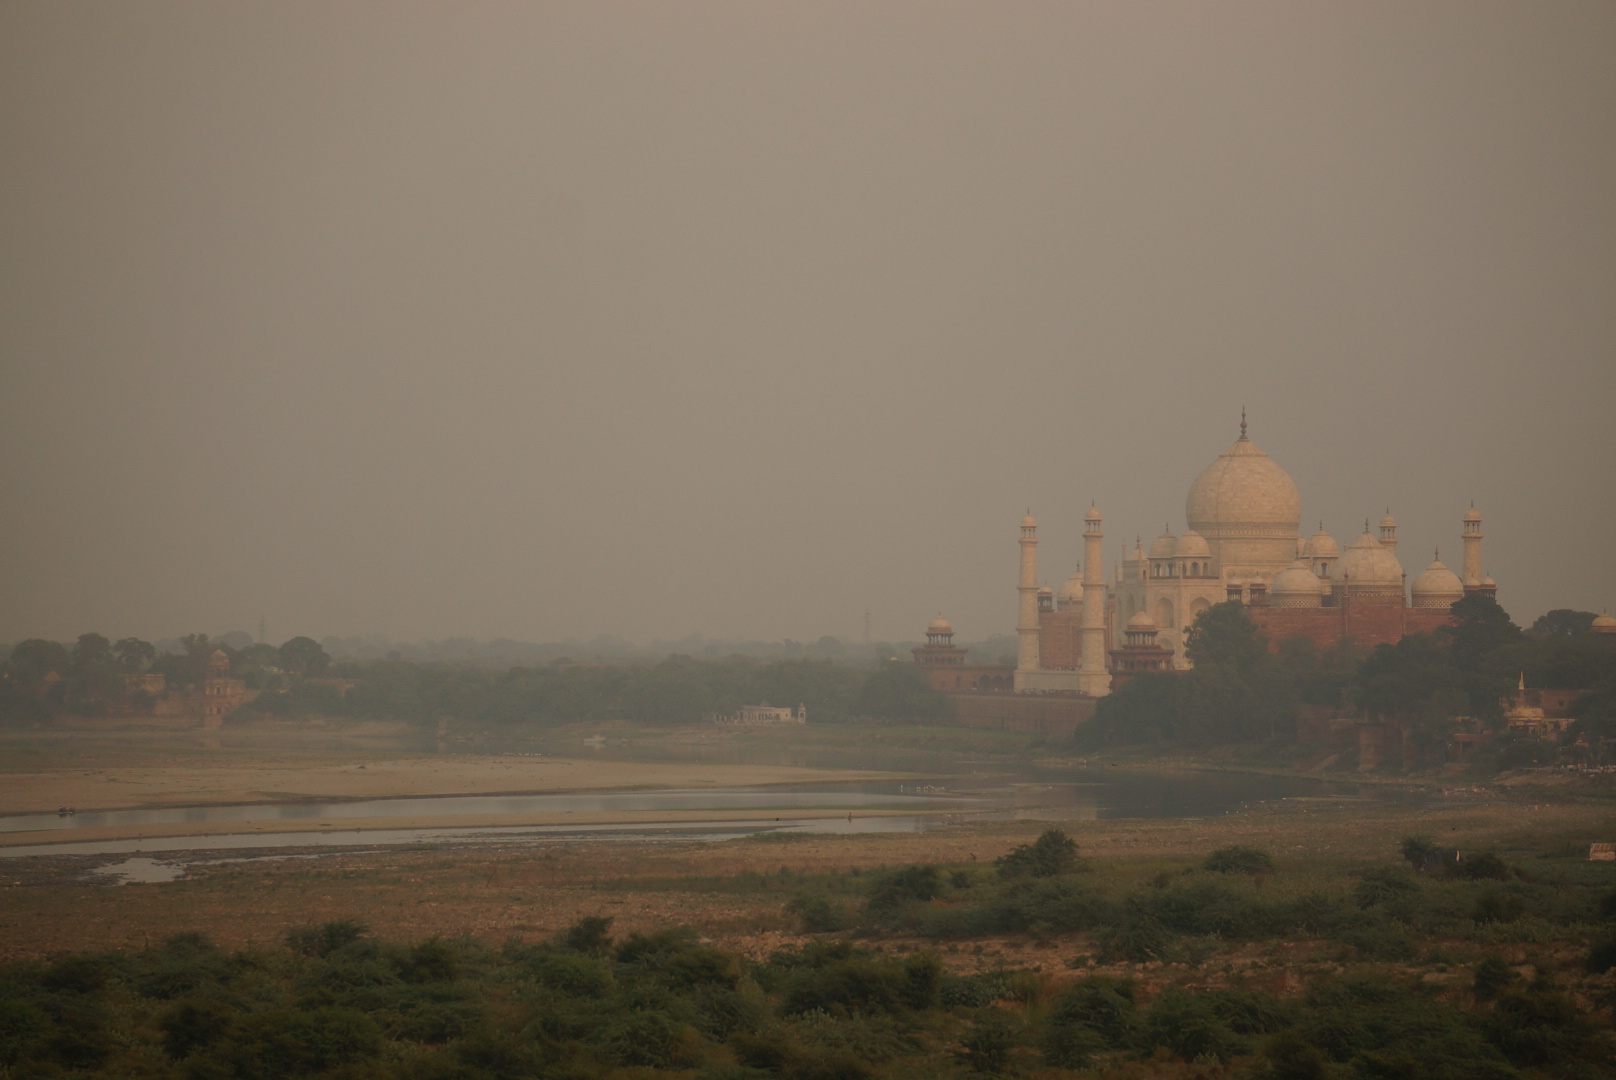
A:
[(1239, 860), (1140, 938), (1538, 1027), (276, 1043), (913, 884), (1482, 867), (986, 1047), (973, 991), (433, 960), (772, 1049), (325, 938), (817, 913), (571, 974), (1383, 885), (1380, 941), (193, 1025), (185, 964), (922, 980), (590, 934), (1497, 906), (1288, 1056), (1492, 977), (1102, 1004), (856, 984), (1052, 854), (1418, 851), (1602, 957), (1188, 1025)]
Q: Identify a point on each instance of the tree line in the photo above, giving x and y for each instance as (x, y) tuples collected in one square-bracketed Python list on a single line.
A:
[(1241, 691), (42, 679)]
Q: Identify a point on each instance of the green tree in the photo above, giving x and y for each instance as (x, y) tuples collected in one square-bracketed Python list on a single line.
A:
[(1563, 622), (1480, 628), (91, 650), (133, 654), (303, 656), (898, 691), (1223, 635), (1398, 680), (1052, 854), (35, 658)]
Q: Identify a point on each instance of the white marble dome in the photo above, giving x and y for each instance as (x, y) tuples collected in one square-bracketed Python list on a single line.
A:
[(1071, 591), (1296, 586), (1163, 546), (1192, 545), (1243, 487), (1368, 568), (939, 625), (1321, 545), (1141, 621), (1603, 624), (1436, 587)]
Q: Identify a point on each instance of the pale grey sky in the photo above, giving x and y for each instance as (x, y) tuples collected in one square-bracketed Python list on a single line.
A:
[(545, 320)]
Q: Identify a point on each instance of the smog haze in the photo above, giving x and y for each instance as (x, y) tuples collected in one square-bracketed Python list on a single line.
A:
[(550, 320)]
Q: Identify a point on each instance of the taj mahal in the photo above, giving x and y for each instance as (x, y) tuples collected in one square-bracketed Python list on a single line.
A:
[(1244, 543)]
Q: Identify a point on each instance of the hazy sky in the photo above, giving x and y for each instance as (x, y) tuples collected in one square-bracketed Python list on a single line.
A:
[(545, 320)]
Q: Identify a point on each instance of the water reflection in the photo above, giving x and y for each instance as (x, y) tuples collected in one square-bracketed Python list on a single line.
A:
[(141, 871), (866, 796), (1050, 794)]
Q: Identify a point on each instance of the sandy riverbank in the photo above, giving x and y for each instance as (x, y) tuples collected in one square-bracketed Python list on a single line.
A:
[(272, 779), (497, 891)]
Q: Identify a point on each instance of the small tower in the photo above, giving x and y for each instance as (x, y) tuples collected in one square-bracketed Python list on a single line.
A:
[(1388, 533), (1027, 624), (1471, 535), (1092, 677)]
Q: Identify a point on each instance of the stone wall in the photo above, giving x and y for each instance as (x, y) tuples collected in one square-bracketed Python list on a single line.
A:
[(1052, 713), (1367, 624)]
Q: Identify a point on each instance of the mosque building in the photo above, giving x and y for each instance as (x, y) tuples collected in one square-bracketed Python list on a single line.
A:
[(1243, 543)]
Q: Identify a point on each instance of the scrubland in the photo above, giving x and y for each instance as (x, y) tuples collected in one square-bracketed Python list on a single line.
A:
[(1312, 949)]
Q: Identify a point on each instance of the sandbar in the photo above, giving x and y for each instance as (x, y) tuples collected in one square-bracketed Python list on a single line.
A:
[(293, 781)]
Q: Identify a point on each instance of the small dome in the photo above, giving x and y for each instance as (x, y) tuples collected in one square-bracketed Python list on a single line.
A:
[(1368, 565), (1141, 621), (1192, 545), (1296, 586), (1071, 591), (940, 625), (1046, 591), (1163, 546), (1321, 545), (1487, 582), (219, 654), (1029, 522), (1472, 514), (1603, 624), (1388, 522), (1436, 587), (1092, 515)]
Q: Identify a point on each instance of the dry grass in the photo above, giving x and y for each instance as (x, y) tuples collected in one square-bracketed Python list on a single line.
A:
[(733, 892)]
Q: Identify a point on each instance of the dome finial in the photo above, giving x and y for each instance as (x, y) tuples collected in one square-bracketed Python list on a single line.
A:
[(1242, 422)]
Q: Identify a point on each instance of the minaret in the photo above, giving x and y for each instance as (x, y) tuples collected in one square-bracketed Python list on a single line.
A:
[(1027, 625), (1388, 532), (1471, 534), (1092, 678)]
